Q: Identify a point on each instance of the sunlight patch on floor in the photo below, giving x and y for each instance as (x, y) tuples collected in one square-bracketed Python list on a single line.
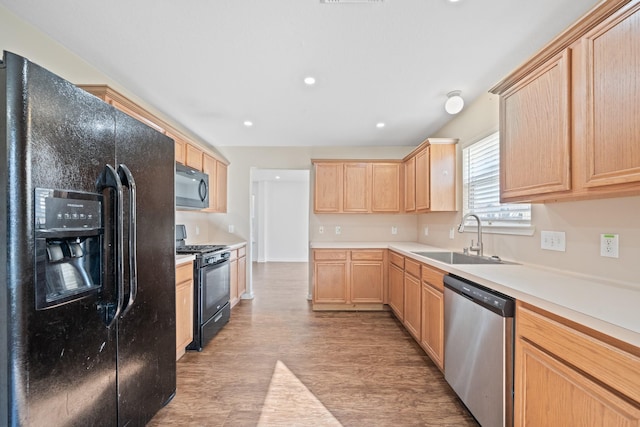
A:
[(289, 402)]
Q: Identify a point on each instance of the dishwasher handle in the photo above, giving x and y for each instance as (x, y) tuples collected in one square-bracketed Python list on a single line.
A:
[(492, 300)]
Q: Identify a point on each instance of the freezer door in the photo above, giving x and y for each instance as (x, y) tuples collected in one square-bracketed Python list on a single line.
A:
[(146, 329), (60, 362)]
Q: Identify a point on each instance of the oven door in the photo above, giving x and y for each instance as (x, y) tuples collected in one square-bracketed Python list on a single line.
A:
[(215, 288)]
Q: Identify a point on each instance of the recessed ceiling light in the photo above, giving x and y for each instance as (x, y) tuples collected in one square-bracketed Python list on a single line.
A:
[(277, 176), (248, 123), (309, 81), (380, 125)]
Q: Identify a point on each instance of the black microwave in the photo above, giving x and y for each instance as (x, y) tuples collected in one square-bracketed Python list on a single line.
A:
[(192, 188)]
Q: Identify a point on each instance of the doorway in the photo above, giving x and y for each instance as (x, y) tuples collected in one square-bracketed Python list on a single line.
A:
[(280, 215)]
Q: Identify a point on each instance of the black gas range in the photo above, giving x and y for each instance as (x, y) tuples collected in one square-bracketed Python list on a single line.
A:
[(211, 278)]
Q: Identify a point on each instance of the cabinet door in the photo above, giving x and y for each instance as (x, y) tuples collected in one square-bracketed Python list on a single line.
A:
[(432, 335), (184, 307), (221, 187), (612, 69), (535, 132), (367, 279), (233, 279), (412, 304), (330, 282), (209, 166), (410, 185), (442, 166), (423, 180), (181, 147), (242, 275), (327, 195), (551, 393), (385, 189), (396, 291), (357, 187), (193, 157)]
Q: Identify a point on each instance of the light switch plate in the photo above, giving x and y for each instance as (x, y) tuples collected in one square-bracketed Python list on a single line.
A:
[(609, 245), (553, 241), (394, 229), (338, 229)]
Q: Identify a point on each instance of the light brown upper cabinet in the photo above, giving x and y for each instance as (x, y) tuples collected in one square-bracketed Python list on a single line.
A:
[(193, 157), (356, 186), (569, 125), (433, 167), (385, 195), (217, 172)]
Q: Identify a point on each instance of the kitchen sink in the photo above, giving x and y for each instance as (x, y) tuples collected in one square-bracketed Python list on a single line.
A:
[(460, 258)]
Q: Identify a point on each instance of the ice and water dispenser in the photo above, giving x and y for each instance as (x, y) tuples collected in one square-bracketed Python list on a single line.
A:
[(68, 232)]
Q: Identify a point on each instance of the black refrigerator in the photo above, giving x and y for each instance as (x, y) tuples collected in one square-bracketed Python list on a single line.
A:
[(87, 257)]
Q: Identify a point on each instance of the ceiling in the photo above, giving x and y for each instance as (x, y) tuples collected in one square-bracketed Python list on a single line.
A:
[(210, 65)]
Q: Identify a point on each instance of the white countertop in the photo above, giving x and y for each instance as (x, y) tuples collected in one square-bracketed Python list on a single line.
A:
[(610, 308), (184, 258)]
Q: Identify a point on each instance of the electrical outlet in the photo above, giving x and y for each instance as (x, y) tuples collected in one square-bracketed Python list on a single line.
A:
[(321, 230), (394, 229), (338, 229), (426, 231), (232, 229), (197, 230), (609, 245), (452, 233), (553, 241)]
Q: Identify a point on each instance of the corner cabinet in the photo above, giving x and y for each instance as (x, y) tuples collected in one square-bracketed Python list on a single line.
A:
[(568, 375), (184, 307), (349, 279), (356, 186), (430, 177), (568, 117)]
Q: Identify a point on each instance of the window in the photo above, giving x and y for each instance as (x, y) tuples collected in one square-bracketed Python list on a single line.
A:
[(481, 188)]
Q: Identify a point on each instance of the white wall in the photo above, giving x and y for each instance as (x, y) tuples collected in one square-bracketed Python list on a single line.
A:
[(286, 221)]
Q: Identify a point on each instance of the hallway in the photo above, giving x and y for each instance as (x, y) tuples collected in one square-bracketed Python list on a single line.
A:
[(277, 363)]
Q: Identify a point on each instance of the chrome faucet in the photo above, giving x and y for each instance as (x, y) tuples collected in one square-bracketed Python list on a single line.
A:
[(478, 248)]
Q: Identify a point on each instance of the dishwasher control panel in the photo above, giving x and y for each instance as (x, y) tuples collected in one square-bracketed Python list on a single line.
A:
[(492, 300)]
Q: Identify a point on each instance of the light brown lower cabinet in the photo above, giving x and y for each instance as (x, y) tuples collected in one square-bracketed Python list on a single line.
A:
[(412, 298), (349, 279), (567, 375), (396, 285), (184, 307), (237, 274), (432, 336)]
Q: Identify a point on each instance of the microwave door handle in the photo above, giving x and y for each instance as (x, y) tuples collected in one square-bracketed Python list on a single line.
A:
[(110, 179), (202, 190), (127, 181)]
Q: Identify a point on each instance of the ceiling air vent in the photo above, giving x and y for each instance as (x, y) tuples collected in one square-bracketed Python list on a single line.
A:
[(351, 1)]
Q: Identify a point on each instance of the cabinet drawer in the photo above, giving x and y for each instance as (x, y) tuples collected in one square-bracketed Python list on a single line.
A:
[(184, 272), (233, 255), (329, 255), (412, 267), (433, 277), (396, 259), (364, 255)]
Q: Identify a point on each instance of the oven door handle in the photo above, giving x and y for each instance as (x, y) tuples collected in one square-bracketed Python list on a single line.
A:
[(127, 181), (110, 179)]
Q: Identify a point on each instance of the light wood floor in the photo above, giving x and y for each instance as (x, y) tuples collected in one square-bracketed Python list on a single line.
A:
[(277, 363)]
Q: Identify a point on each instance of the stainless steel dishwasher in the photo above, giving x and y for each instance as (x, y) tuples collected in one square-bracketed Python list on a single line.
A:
[(478, 349)]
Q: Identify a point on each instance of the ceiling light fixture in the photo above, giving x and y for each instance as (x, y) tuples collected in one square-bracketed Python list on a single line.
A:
[(380, 125), (309, 81), (248, 123), (454, 103)]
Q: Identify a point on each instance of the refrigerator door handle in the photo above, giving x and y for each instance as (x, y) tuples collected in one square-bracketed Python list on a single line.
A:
[(109, 179), (127, 181)]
